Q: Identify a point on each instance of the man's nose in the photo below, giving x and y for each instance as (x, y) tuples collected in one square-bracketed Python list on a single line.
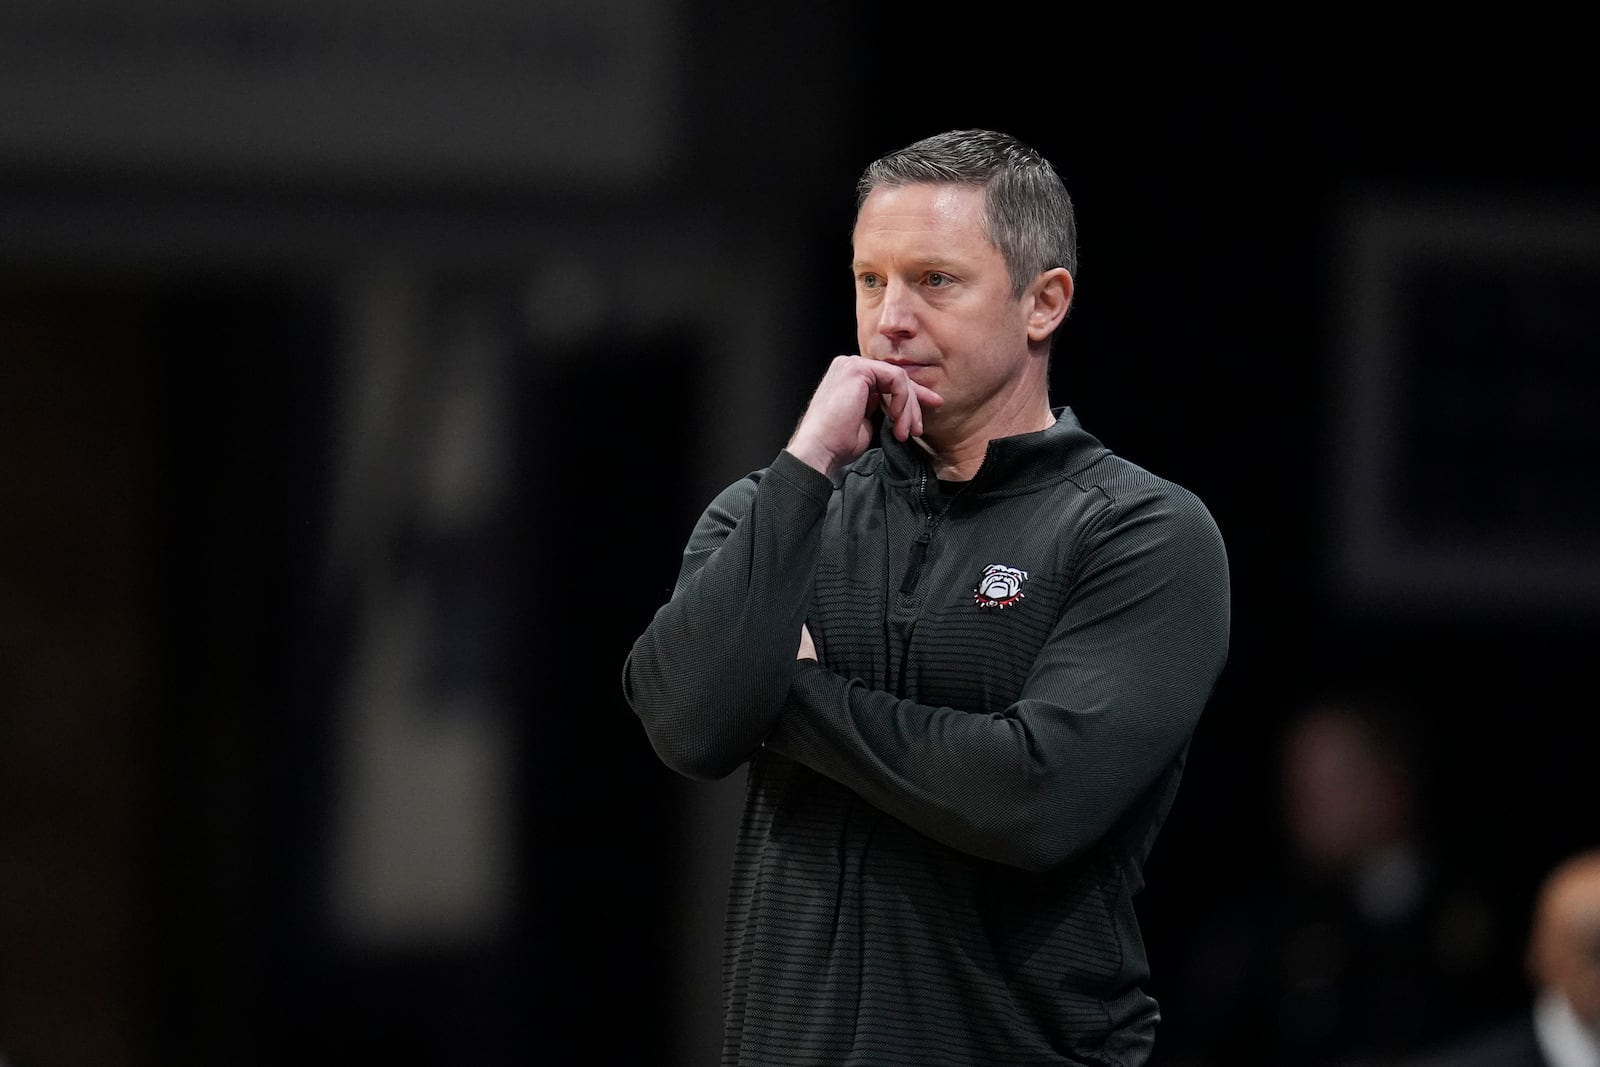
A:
[(897, 314)]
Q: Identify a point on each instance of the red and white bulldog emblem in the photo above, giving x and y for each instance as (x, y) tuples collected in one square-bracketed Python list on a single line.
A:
[(999, 586)]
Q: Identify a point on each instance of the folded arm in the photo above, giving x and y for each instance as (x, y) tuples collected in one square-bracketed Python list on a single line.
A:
[(709, 675), (1109, 705)]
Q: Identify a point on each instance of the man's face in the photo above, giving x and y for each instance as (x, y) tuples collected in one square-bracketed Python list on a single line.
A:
[(933, 295), (1345, 797), (1566, 946)]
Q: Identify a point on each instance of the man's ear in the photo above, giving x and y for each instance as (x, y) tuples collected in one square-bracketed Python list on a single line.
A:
[(1049, 297)]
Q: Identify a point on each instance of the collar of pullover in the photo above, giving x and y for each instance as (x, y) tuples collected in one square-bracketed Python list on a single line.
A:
[(1009, 462)]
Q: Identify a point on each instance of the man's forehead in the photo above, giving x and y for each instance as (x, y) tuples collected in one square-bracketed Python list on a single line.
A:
[(924, 221), (954, 198)]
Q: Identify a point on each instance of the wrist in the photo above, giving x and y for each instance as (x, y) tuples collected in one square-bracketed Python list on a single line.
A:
[(812, 455)]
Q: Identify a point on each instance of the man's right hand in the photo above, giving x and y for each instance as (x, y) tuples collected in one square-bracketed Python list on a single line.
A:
[(837, 424)]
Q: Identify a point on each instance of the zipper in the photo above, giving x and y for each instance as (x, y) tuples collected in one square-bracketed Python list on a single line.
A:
[(919, 547)]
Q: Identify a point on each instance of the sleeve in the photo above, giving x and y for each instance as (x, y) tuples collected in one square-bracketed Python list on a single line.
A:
[(1108, 707), (709, 675)]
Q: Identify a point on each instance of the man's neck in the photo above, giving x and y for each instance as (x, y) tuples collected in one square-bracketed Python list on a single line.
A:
[(958, 452)]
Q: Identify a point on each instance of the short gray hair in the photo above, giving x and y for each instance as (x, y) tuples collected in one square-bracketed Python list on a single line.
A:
[(1027, 213)]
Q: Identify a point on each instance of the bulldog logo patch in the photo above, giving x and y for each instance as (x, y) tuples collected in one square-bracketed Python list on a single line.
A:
[(999, 586)]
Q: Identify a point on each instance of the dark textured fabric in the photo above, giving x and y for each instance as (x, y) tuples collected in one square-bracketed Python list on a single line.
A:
[(948, 817)]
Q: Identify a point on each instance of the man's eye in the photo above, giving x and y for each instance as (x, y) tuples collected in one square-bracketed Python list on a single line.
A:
[(937, 280), (869, 281)]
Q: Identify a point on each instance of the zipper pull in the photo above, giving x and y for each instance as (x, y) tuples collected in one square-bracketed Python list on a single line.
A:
[(919, 552)]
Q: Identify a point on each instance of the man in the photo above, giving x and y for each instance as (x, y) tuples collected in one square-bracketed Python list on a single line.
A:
[(1563, 963), (963, 666), (1358, 938)]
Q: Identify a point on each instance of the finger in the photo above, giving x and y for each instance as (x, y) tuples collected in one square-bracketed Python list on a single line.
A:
[(901, 398), (907, 415), (885, 376), (911, 411), (895, 409)]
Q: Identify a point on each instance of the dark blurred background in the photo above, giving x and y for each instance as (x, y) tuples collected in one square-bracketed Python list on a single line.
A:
[(363, 368)]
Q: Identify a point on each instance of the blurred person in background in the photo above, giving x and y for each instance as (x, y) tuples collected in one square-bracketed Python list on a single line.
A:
[(1366, 941), (1562, 964), (962, 652)]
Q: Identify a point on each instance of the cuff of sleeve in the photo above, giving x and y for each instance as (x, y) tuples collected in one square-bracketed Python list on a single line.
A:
[(803, 476)]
